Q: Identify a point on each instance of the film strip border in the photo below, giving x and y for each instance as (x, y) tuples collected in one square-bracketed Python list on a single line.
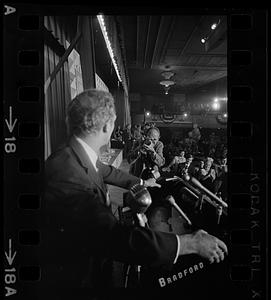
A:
[(247, 78), (24, 147)]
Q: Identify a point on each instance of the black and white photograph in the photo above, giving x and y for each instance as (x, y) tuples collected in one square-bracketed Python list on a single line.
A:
[(140, 188)]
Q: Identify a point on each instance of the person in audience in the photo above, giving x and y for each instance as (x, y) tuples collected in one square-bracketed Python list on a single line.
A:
[(146, 127), (127, 139), (211, 152), (224, 152), (173, 165), (190, 144), (212, 139), (207, 175), (186, 168), (198, 169), (196, 133), (118, 134), (137, 134), (220, 183)]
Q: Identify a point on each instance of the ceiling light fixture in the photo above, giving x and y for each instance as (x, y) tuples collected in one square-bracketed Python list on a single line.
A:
[(167, 74), (213, 27), (108, 44), (216, 106), (167, 83), (203, 40)]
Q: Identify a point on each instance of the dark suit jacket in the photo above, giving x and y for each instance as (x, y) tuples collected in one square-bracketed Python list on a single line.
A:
[(81, 235)]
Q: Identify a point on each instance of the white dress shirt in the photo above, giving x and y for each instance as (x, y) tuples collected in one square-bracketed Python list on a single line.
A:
[(92, 155)]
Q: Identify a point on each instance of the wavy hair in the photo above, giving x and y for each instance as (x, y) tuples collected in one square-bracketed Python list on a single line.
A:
[(90, 111)]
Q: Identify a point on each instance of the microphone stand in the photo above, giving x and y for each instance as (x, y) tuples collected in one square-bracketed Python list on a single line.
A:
[(141, 220), (202, 196), (219, 209)]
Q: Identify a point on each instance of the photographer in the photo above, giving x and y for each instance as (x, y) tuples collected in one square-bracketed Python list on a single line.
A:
[(147, 154)]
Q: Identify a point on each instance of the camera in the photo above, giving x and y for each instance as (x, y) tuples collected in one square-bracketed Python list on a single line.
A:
[(147, 142)]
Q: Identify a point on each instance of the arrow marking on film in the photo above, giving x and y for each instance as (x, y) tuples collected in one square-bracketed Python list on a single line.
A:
[(10, 257), (9, 123)]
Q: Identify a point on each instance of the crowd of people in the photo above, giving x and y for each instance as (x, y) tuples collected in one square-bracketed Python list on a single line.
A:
[(201, 156), (197, 154)]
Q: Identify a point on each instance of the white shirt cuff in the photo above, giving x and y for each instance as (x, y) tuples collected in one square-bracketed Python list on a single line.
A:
[(178, 249)]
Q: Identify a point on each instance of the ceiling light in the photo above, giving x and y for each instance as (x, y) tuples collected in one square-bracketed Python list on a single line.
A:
[(167, 83), (225, 115), (216, 105), (185, 114), (203, 40), (167, 74), (213, 27), (108, 44)]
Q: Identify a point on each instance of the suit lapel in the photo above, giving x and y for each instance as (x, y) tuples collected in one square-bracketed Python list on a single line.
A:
[(83, 159)]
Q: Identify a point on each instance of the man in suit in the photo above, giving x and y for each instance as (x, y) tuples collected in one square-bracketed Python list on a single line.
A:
[(81, 236)]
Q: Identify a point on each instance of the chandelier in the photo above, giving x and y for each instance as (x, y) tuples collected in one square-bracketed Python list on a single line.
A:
[(167, 83)]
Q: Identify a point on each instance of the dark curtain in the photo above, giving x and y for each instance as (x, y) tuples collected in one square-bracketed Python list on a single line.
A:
[(58, 94), (57, 99)]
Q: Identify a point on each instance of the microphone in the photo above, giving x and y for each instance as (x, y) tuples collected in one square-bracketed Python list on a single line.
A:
[(173, 203), (138, 199), (190, 192), (209, 193)]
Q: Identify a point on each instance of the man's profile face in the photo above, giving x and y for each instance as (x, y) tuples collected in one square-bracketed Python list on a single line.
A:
[(111, 126)]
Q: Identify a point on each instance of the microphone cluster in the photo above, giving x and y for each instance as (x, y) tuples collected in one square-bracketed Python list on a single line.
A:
[(196, 188)]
